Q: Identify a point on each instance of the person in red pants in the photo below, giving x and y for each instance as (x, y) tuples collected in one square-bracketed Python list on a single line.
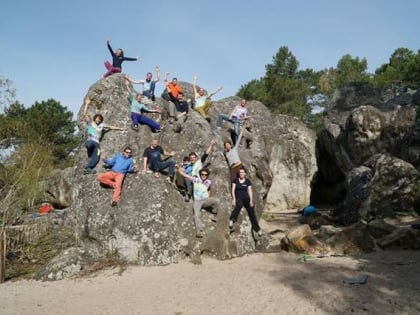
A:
[(120, 165)]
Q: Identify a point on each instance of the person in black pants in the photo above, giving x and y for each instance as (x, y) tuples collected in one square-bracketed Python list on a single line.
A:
[(242, 197)]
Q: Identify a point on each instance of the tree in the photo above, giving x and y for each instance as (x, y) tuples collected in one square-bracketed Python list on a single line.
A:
[(52, 122), (351, 69), (7, 92), (282, 88), (403, 67), (48, 122)]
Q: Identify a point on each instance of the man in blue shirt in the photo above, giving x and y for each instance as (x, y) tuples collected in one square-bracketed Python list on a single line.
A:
[(120, 165)]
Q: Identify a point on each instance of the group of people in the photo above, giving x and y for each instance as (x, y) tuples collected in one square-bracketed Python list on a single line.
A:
[(192, 176)]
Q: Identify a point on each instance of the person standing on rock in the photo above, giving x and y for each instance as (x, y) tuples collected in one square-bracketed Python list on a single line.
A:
[(95, 129), (203, 102), (117, 60), (120, 165), (202, 199), (242, 197)]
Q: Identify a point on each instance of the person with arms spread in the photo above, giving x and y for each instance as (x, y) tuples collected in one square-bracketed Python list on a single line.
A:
[(117, 60)]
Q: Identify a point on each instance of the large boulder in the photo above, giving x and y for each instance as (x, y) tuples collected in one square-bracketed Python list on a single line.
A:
[(152, 225), (361, 123)]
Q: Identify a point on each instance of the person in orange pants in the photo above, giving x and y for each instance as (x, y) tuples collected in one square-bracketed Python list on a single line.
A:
[(120, 165)]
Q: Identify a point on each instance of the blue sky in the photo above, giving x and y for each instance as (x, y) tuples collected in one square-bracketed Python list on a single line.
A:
[(55, 49)]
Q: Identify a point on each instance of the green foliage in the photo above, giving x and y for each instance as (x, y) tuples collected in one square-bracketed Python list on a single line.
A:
[(351, 69), (20, 180), (283, 89), (315, 121), (403, 67), (47, 122), (51, 121)]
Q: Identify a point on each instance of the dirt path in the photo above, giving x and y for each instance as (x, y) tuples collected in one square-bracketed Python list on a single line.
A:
[(255, 284)]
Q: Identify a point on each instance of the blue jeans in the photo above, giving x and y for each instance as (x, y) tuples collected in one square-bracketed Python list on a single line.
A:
[(236, 124), (166, 164), (144, 120), (93, 152), (150, 92)]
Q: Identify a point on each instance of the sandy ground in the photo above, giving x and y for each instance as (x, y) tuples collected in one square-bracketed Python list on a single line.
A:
[(275, 283)]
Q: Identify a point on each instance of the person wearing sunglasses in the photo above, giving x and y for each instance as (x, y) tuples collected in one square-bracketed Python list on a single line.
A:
[(120, 165), (202, 199)]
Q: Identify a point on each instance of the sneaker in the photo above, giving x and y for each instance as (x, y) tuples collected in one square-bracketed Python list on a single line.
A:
[(149, 171), (231, 225), (208, 119), (259, 233), (158, 130), (186, 198), (199, 234), (89, 171), (218, 127), (135, 128), (114, 203)]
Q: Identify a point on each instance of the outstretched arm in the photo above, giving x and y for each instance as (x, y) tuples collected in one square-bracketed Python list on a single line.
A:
[(211, 145), (109, 47), (251, 199), (87, 102), (181, 171), (116, 128), (145, 159), (157, 70), (208, 151), (127, 84), (218, 90), (134, 81), (195, 86)]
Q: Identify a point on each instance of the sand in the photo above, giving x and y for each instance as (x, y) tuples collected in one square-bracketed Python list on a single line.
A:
[(276, 283)]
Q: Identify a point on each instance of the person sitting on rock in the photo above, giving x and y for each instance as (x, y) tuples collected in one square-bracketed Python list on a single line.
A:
[(120, 165), (173, 88), (117, 60), (202, 102), (179, 110), (137, 110), (238, 115), (152, 158), (202, 199), (95, 130), (149, 84)]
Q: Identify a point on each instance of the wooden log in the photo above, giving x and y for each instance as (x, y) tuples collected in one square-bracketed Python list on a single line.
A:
[(2, 255)]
